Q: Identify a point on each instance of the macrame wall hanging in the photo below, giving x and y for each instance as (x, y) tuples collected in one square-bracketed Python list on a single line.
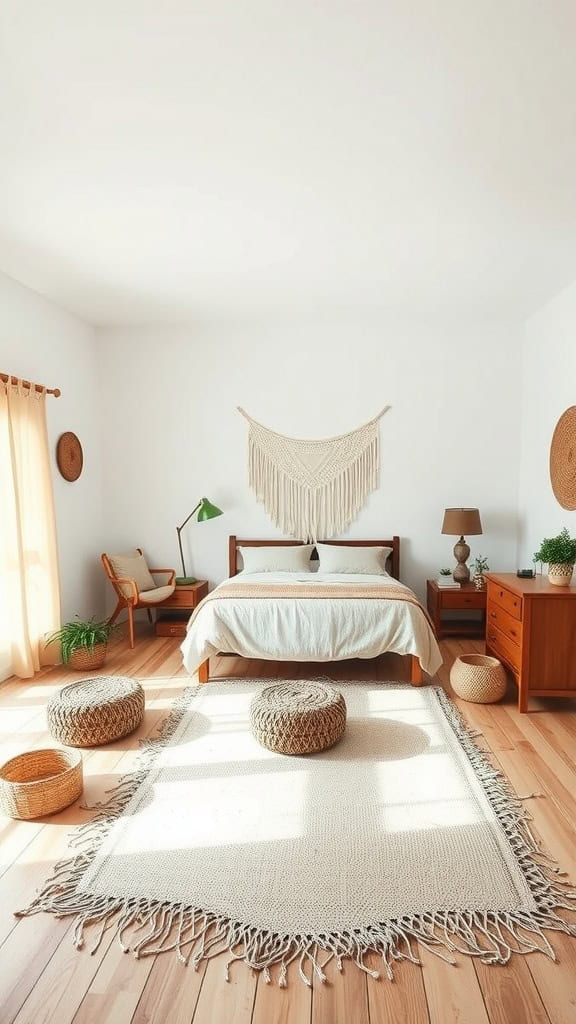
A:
[(313, 489)]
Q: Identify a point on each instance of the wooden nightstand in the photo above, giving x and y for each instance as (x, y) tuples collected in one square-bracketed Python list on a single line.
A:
[(441, 600), (174, 613)]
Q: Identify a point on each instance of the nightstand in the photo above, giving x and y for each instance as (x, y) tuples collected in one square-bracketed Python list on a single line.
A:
[(442, 601), (173, 614)]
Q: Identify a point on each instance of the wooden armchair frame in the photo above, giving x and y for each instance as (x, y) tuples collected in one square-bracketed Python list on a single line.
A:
[(132, 602)]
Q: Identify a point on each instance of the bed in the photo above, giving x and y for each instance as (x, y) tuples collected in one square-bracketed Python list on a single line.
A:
[(311, 617)]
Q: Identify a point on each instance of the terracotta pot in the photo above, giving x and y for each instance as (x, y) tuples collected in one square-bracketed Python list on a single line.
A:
[(82, 658), (560, 573)]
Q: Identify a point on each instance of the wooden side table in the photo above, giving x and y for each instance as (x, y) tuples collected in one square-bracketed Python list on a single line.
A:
[(173, 614), (441, 601)]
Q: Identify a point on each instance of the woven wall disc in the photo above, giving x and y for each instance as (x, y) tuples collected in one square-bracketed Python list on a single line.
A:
[(563, 459), (69, 456)]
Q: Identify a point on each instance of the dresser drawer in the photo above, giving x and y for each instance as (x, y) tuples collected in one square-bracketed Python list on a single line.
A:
[(503, 647), (505, 599), (506, 623), (460, 600)]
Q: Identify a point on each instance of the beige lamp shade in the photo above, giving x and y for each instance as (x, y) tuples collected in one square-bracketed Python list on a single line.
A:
[(462, 522)]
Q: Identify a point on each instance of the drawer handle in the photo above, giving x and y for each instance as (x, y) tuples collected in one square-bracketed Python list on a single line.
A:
[(501, 593), (493, 615), (491, 636), (512, 632)]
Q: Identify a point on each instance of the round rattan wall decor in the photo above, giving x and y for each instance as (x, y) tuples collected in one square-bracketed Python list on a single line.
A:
[(563, 460), (69, 456)]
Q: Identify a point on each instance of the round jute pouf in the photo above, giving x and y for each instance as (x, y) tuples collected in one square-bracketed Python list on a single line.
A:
[(478, 678), (298, 717), (95, 711)]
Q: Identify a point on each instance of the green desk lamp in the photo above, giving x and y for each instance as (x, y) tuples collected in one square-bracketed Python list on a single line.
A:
[(206, 510)]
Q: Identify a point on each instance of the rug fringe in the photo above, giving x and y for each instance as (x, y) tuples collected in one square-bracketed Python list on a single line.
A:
[(149, 927)]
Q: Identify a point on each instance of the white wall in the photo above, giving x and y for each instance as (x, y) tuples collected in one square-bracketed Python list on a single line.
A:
[(172, 432), (548, 388), (41, 342)]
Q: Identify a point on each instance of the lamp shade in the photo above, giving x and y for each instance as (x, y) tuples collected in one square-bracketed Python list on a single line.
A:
[(207, 510), (462, 522)]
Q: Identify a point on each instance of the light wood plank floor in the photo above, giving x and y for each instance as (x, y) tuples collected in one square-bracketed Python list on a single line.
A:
[(44, 979)]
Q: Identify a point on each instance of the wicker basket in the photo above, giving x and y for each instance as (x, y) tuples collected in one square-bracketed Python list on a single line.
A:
[(86, 660), (478, 678), (40, 782)]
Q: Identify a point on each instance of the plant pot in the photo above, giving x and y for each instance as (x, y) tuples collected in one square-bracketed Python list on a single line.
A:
[(479, 581), (87, 660), (560, 574)]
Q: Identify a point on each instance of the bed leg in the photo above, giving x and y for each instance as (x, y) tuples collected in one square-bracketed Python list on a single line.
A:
[(416, 674), (204, 671)]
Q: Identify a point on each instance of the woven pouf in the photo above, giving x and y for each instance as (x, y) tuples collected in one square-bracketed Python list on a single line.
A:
[(298, 717), (95, 711), (478, 678)]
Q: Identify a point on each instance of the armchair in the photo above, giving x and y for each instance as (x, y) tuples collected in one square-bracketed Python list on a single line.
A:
[(135, 587)]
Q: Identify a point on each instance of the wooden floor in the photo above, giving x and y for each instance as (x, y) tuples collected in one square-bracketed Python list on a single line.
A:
[(44, 979)]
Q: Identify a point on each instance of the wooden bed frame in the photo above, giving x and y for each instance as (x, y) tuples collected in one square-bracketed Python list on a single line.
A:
[(393, 566)]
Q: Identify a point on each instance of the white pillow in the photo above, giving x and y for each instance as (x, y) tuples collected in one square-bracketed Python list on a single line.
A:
[(292, 558), (132, 567), (344, 558)]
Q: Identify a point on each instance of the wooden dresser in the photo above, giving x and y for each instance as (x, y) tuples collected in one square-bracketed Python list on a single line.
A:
[(531, 628)]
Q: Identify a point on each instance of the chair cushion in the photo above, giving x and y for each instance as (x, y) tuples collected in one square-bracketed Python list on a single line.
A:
[(156, 595), (132, 567)]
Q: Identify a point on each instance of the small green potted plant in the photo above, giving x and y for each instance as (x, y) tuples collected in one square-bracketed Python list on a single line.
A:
[(559, 553), (83, 644), (479, 567)]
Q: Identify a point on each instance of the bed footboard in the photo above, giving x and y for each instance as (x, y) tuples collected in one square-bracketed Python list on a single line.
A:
[(204, 671)]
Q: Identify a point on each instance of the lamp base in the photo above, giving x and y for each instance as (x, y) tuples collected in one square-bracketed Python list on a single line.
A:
[(461, 553), (185, 581)]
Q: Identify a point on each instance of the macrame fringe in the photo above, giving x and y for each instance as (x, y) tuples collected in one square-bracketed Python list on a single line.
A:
[(148, 927), (313, 489), (311, 513)]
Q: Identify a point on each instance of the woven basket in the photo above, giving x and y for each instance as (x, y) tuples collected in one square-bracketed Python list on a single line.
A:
[(298, 717), (86, 660), (478, 678), (95, 711), (40, 782)]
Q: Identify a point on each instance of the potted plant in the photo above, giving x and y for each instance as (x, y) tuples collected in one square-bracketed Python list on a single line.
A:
[(83, 645), (560, 555), (480, 566)]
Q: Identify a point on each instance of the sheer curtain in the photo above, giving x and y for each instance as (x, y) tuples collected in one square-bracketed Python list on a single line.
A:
[(29, 583)]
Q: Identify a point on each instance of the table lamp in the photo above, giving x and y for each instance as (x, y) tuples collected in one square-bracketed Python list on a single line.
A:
[(206, 510), (457, 522)]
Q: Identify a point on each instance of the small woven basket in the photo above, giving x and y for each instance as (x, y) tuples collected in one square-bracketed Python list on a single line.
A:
[(86, 660), (478, 678), (40, 782)]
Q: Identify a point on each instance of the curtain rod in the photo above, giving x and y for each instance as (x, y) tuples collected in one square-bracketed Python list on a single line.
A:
[(9, 379)]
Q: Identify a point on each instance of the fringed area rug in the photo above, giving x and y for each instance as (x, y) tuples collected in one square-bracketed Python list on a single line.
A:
[(402, 833)]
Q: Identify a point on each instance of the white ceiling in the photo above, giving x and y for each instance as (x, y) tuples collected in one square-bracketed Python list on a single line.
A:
[(163, 160)]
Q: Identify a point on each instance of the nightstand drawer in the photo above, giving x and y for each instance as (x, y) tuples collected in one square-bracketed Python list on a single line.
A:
[(506, 599), (170, 627), (503, 647), (187, 597), (507, 624), (462, 599)]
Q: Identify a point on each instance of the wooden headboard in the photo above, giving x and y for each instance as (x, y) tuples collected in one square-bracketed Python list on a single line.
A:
[(393, 562)]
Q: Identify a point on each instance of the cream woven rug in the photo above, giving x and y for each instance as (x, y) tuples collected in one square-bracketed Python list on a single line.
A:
[(401, 832)]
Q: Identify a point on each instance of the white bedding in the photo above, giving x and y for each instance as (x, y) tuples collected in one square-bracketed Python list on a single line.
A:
[(294, 629)]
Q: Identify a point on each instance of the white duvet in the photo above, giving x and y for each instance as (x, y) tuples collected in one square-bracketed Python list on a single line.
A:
[(295, 629)]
